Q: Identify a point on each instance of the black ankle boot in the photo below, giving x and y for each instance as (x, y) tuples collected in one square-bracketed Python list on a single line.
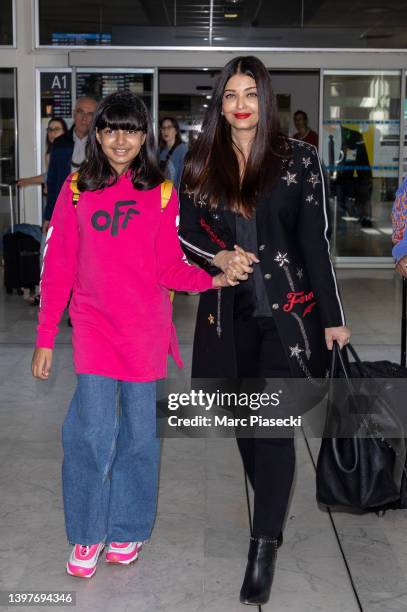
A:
[(259, 571)]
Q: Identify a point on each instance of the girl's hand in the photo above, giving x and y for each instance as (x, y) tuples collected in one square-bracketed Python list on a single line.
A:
[(41, 363), (222, 280), (340, 334), (236, 264), (401, 267)]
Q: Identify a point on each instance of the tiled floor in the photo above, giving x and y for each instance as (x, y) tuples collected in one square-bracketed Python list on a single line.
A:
[(196, 557)]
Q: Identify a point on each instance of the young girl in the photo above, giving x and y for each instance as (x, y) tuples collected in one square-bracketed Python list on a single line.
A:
[(117, 250)]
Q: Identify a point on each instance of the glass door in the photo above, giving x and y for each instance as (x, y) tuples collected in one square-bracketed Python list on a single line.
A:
[(8, 132), (360, 150)]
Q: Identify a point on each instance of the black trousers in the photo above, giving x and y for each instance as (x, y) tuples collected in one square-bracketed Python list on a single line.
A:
[(269, 462)]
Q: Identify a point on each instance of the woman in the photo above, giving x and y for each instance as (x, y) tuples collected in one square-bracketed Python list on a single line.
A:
[(263, 221), (172, 150), (56, 127), (304, 132)]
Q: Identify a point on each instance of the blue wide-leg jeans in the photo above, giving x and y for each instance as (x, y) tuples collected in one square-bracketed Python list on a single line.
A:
[(111, 461)]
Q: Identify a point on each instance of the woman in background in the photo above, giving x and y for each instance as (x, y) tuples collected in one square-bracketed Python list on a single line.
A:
[(56, 127), (172, 150)]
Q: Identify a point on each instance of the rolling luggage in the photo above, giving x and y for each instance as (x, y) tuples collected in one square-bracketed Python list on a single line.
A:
[(21, 253)]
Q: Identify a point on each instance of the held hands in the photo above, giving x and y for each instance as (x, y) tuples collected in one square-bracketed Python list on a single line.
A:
[(41, 363), (340, 334), (401, 267), (236, 264)]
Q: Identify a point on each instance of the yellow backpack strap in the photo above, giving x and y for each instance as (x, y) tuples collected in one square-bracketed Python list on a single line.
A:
[(74, 188), (166, 191)]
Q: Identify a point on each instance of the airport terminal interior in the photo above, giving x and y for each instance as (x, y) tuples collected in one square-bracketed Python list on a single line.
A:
[(346, 68)]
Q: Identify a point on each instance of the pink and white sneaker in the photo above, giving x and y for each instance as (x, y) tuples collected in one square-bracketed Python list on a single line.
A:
[(123, 552), (83, 560)]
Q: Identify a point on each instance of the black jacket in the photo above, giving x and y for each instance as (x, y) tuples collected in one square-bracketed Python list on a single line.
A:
[(293, 248), (59, 168)]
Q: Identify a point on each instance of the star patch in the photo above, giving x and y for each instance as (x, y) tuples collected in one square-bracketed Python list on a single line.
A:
[(314, 179), (211, 319), (290, 178), (300, 273), (281, 259), (295, 351), (306, 161)]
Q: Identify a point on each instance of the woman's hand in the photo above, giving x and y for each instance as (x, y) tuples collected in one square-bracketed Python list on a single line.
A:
[(340, 334), (236, 264), (401, 267), (222, 280), (41, 363)]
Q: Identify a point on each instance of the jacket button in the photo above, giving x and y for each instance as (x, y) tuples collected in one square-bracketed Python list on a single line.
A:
[(262, 247), (267, 276), (275, 306)]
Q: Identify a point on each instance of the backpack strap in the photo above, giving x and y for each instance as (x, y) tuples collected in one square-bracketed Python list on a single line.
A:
[(166, 191), (74, 188)]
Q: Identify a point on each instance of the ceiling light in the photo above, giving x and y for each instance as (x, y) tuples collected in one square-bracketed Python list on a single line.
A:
[(231, 15), (205, 69), (209, 97)]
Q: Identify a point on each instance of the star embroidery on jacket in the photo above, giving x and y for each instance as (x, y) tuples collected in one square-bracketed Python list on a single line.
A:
[(310, 198), (211, 319), (314, 179), (188, 191), (281, 259), (306, 161), (290, 178), (201, 202), (300, 273), (291, 163), (295, 351)]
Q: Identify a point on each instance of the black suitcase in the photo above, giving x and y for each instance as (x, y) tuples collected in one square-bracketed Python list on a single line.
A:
[(21, 261), (21, 254)]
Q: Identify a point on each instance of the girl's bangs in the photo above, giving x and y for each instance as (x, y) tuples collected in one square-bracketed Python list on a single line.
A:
[(121, 118)]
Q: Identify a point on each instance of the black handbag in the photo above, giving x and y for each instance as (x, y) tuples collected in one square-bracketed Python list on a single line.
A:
[(364, 470)]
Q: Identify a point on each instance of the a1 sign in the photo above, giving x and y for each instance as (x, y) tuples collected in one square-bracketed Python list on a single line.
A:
[(56, 96)]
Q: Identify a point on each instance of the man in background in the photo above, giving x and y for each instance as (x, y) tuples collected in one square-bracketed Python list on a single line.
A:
[(68, 152)]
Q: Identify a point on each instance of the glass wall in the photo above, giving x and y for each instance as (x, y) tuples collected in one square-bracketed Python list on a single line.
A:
[(6, 22), (7, 141), (100, 82), (360, 149), (224, 23)]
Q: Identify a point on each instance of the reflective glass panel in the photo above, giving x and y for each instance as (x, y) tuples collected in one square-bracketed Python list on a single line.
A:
[(225, 23), (360, 148), (7, 142), (6, 22)]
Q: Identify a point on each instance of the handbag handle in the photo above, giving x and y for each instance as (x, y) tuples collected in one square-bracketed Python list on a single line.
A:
[(337, 355)]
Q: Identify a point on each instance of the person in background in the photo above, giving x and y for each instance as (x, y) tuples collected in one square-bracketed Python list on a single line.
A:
[(67, 154), (399, 238), (56, 127), (172, 150), (304, 132)]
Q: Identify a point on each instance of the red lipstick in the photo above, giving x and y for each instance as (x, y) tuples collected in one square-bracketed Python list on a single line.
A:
[(242, 115)]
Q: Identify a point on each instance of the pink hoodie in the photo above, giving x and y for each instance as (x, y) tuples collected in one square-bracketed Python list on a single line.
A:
[(120, 255)]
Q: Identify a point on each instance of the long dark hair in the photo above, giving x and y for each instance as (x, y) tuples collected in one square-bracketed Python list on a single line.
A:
[(161, 142), (212, 168), (48, 143), (120, 111)]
